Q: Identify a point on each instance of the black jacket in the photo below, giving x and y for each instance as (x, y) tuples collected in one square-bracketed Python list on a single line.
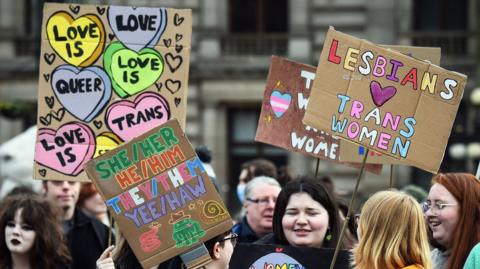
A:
[(87, 240), (245, 232)]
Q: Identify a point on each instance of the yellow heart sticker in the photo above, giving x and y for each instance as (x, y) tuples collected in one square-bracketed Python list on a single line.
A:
[(105, 142), (79, 42)]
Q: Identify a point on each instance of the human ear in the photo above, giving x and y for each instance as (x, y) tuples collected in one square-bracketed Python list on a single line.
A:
[(216, 251)]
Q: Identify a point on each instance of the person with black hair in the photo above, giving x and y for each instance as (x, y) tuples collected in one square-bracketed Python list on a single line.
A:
[(220, 249), (306, 215)]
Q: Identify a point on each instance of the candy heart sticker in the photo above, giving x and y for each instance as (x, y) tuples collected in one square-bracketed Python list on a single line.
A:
[(78, 42), (83, 93), (279, 102), (132, 72), (65, 150), (105, 142), (130, 119), (139, 27), (381, 95)]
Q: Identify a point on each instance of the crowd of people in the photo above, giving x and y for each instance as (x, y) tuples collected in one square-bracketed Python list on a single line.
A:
[(66, 226)]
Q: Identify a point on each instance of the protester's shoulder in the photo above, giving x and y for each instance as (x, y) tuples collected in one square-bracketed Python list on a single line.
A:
[(473, 260), (266, 240)]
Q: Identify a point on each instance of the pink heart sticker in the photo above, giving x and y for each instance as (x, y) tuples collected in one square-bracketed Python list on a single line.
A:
[(130, 119), (381, 95), (67, 149)]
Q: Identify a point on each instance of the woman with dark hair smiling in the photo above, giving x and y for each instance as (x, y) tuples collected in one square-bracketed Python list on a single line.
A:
[(31, 235), (305, 215)]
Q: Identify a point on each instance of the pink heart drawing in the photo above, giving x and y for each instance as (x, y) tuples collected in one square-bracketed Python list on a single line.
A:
[(67, 149), (130, 119), (381, 95)]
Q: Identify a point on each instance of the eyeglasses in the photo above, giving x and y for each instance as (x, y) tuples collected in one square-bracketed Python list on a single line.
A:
[(436, 208), (233, 238), (262, 201)]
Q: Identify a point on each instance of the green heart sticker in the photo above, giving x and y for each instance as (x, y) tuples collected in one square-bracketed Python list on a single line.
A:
[(132, 72)]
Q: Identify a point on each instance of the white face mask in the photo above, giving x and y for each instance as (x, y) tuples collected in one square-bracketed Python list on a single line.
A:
[(241, 192)]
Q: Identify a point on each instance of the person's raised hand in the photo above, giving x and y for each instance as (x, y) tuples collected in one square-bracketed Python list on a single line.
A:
[(105, 261)]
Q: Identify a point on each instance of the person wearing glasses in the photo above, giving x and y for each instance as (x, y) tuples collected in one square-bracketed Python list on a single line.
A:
[(261, 194), (220, 249), (306, 215), (392, 234), (452, 211)]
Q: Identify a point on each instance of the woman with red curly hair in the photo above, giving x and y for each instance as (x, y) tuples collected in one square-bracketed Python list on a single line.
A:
[(452, 211), (31, 235)]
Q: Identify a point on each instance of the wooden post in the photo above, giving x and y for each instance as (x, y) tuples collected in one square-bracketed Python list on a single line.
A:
[(391, 176), (316, 169), (349, 213)]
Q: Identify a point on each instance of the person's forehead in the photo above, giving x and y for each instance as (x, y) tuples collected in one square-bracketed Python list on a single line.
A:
[(439, 192), (61, 183), (303, 200), (264, 189)]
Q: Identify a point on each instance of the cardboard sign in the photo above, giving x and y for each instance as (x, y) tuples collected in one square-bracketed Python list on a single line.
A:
[(107, 74), (248, 256), (384, 100), (355, 153), (160, 194), (284, 103)]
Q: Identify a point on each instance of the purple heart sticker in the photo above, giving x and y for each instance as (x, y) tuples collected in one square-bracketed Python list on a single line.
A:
[(381, 95)]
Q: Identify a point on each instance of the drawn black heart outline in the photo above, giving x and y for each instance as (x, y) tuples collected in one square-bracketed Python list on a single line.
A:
[(178, 37), (100, 10), (159, 86), (178, 48), (46, 77), (177, 20), (98, 124), (49, 58), (46, 120), (167, 42), (173, 62), (74, 9), (173, 86), (42, 172), (50, 101), (58, 115), (177, 101)]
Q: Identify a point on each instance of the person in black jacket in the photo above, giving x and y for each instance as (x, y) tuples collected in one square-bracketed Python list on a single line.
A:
[(260, 197), (87, 237)]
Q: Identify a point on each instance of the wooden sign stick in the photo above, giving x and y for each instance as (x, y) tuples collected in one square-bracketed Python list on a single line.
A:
[(350, 206), (391, 176), (316, 169)]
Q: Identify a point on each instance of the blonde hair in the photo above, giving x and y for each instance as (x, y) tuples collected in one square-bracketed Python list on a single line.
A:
[(392, 233)]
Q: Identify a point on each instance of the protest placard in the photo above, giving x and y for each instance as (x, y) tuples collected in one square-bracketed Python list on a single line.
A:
[(284, 103), (384, 100), (159, 193), (107, 74), (352, 152), (258, 256)]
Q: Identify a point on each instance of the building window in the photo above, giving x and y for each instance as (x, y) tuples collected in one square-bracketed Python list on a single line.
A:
[(242, 126), (442, 23), (258, 16)]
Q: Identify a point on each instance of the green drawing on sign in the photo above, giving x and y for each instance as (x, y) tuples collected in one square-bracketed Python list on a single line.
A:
[(187, 232)]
